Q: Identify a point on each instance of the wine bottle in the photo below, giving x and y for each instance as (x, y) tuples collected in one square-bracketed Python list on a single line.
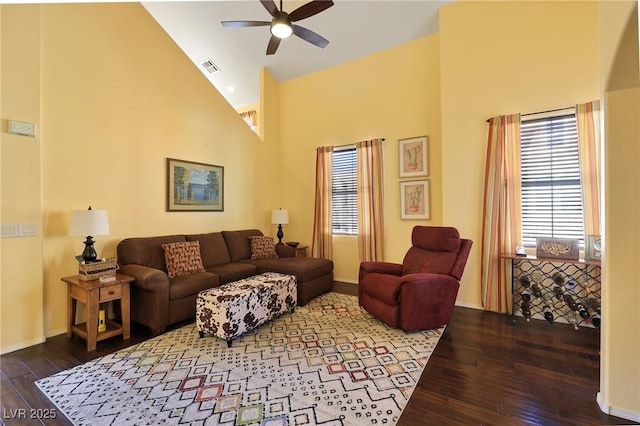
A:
[(595, 319), (570, 302), (525, 281), (526, 295), (582, 311), (558, 293), (573, 320), (536, 277), (558, 279), (548, 314), (535, 289), (594, 304), (547, 299), (526, 311), (571, 286)]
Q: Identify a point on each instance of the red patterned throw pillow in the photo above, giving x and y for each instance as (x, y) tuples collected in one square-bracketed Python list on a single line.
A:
[(183, 258), (262, 248)]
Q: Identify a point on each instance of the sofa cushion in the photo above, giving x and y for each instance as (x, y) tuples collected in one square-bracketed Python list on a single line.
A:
[(262, 247), (182, 258), (146, 251), (213, 249), (238, 243), (233, 271), (190, 285), (304, 268)]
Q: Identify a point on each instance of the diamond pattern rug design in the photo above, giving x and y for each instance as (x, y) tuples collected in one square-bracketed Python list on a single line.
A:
[(327, 363)]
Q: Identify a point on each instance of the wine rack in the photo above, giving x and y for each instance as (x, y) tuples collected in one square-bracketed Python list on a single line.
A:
[(556, 290)]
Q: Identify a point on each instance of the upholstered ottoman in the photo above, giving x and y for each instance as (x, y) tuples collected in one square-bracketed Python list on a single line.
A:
[(235, 308)]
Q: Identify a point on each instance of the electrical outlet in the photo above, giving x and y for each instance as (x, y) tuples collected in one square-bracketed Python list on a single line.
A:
[(10, 230)]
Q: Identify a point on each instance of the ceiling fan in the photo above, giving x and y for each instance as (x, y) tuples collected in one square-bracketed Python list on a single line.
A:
[(282, 23)]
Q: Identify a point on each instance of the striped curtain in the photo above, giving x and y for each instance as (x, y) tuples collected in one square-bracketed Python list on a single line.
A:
[(249, 117), (501, 231), (589, 119), (322, 246), (369, 181)]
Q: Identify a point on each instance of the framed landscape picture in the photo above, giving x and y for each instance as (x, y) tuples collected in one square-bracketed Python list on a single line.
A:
[(414, 199), (194, 186), (413, 157)]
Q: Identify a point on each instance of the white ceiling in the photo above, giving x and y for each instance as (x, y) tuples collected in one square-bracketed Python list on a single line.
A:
[(354, 28)]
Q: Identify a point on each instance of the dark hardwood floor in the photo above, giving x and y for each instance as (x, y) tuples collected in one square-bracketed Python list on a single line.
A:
[(484, 371)]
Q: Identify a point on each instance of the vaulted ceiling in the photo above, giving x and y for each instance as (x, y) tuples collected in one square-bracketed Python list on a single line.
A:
[(354, 28)]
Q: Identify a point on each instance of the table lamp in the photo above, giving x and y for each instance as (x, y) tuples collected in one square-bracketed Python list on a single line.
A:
[(89, 223), (280, 217)]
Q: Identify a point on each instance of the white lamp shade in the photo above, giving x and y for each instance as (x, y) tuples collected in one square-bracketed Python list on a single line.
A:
[(89, 223), (280, 217)]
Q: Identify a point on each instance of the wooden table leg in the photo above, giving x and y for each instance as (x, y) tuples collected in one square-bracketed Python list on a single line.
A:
[(125, 307), (93, 306), (71, 310)]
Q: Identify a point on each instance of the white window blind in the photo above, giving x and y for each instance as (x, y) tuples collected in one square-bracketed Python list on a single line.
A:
[(344, 207), (551, 184)]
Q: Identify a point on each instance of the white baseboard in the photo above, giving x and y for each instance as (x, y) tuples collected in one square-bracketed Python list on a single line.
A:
[(470, 305), (618, 412), (57, 332), (344, 280), (22, 345)]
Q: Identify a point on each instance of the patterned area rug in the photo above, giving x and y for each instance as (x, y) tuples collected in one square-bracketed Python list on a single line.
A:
[(328, 363)]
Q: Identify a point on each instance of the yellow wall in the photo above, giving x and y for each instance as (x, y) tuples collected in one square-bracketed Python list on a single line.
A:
[(620, 368), (21, 290), (256, 118), (392, 94), (113, 96), (504, 58), (118, 98)]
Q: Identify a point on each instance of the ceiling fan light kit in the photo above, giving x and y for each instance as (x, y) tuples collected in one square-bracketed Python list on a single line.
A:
[(281, 26)]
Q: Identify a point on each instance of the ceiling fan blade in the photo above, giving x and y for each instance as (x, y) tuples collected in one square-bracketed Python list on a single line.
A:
[(310, 9), (310, 36), (240, 24), (271, 7), (274, 42)]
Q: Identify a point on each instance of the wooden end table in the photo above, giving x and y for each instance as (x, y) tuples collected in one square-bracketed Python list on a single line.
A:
[(301, 251), (92, 294)]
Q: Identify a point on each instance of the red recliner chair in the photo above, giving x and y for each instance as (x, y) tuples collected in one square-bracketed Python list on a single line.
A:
[(421, 292)]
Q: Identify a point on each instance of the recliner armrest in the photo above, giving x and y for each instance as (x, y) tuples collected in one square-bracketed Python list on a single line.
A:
[(380, 268), (427, 300)]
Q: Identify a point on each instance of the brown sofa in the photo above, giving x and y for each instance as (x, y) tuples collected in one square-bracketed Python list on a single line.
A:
[(158, 301)]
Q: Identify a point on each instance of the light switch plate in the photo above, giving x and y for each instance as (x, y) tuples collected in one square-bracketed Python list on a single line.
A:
[(28, 229), (10, 230)]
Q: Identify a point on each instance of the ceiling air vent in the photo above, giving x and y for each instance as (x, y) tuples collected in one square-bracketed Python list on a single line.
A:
[(210, 66)]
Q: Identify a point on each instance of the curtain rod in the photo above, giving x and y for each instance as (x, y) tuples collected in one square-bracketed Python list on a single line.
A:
[(351, 144), (542, 112)]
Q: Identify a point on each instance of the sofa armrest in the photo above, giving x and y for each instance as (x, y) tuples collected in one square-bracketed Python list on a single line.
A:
[(148, 279), (283, 250), (149, 296)]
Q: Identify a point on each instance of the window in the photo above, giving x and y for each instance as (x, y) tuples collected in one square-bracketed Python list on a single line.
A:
[(551, 185), (344, 194)]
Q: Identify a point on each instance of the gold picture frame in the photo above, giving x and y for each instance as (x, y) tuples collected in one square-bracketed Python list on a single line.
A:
[(414, 200), (194, 187), (413, 156)]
